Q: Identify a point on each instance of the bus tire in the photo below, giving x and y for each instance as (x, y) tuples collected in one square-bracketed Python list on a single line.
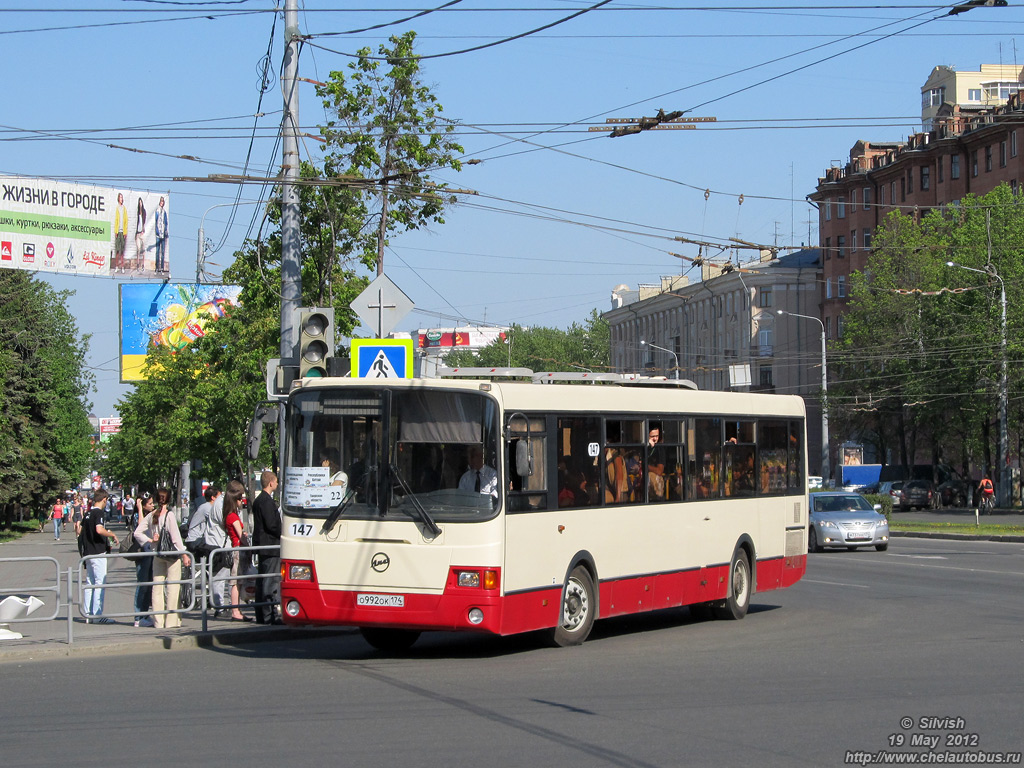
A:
[(579, 608), (736, 603), (389, 640)]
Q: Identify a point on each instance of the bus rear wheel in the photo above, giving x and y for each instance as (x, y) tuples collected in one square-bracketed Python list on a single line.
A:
[(389, 640), (579, 607), (736, 604)]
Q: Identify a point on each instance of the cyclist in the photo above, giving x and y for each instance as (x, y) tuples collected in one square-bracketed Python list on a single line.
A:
[(987, 494)]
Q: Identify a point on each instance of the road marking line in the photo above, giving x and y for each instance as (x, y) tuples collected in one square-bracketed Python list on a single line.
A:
[(837, 583)]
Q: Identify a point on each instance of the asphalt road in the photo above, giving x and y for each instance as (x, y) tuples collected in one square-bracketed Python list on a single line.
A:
[(830, 666)]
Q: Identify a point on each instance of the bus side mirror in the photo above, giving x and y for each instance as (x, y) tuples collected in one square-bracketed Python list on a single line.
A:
[(524, 458), (266, 413)]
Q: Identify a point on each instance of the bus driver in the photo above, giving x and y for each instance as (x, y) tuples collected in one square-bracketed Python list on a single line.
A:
[(479, 478)]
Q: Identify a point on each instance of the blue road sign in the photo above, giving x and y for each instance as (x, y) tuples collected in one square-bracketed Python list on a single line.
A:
[(382, 358)]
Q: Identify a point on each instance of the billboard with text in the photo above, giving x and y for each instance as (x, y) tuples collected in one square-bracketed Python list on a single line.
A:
[(79, 229)]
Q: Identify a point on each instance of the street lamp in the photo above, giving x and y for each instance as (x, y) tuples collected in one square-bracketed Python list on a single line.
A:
[(825, 473), (664, 349), (1002, 490), (201, 250)]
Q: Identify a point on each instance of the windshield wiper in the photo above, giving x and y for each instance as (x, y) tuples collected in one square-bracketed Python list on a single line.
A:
[(422, 513), (338, 511)]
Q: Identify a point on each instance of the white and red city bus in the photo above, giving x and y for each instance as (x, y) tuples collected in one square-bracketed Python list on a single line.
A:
[(505, 506)]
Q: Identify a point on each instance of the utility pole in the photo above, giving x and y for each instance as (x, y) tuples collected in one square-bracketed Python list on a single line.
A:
[(291, 258)]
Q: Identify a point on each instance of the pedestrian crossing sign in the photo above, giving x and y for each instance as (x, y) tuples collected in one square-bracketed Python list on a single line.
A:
[(382, 358)]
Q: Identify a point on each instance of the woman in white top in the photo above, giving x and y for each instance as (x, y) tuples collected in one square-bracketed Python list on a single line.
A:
[(165, 595)]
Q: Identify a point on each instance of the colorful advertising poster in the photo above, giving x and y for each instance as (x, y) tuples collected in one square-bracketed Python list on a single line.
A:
[(78, 229), (171, 315), (460, 337), (109, 427)]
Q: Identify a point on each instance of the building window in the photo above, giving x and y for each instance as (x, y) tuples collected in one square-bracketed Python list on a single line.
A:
[(999, 91), (853, 199), (1013, 143), (840, 325), (828, 327), (903, 189), (974, 94), (938, 168), (1013, 186), (764, 296), (926, 177), (933, 97), (881, 194), (765, 376), (828, 248), (764, 341), (866, 197), (892, 198), (1002, 154), (853, 240), (841, 286), (828, 287), (840, 246), (988, 158), (954, 166), (867, 240), (841, 208), (974, 163), (910, 181), (828, 210)]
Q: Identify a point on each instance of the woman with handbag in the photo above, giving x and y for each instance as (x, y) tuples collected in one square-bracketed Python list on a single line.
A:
[(233, 523), (159, 529), (141, 544)]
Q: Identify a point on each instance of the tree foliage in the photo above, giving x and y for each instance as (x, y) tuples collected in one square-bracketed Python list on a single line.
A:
[(582, 347), (386, 130), (917, 365), (45, 445)]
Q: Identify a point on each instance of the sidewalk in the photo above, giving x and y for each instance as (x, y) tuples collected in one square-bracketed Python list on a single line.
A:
[(49, 638)]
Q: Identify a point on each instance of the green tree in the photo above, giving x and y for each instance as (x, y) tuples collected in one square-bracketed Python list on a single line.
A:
[(384, 141), (584, 347), (387, 130), (917, 366), (44, 426)]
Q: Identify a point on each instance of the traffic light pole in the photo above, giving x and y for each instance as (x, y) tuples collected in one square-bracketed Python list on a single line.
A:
[(291, 272)]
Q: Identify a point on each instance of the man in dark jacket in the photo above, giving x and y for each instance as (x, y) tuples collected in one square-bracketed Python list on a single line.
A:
[(266, 526), (93, 541)]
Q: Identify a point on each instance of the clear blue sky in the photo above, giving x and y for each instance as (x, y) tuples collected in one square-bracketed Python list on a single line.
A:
[(562, 215)]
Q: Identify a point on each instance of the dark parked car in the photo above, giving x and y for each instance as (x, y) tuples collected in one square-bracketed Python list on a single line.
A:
[(955, 493), (918, 494)]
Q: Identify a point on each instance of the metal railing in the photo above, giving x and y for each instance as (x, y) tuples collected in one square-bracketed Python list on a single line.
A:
[(195, 586)]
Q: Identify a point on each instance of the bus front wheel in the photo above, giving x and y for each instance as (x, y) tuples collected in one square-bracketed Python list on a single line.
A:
[(579, 607), (389, 640), (736, 604)]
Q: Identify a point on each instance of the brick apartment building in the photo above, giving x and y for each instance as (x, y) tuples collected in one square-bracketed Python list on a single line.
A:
[(971, 148)]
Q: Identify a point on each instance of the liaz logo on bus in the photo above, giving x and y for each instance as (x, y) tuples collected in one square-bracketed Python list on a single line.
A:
[(380, 562)]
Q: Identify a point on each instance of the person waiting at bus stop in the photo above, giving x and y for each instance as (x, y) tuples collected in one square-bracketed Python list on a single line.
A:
[(479, 477)]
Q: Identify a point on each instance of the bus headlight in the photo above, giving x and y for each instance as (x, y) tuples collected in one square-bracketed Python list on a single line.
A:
[(469, 578), (476, 616), (300, 572), (292, 608)]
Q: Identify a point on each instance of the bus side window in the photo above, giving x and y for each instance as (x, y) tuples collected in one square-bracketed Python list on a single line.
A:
[(772, 456), (529, 492), (704, 459)]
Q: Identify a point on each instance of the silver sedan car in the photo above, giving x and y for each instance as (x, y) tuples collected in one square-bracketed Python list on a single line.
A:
[(845, 520)]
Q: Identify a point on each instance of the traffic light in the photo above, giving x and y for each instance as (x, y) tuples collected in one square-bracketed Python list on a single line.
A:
[(316, 340)]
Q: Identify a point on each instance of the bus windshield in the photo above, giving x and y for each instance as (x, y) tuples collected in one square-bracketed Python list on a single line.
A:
[(392, 453)]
